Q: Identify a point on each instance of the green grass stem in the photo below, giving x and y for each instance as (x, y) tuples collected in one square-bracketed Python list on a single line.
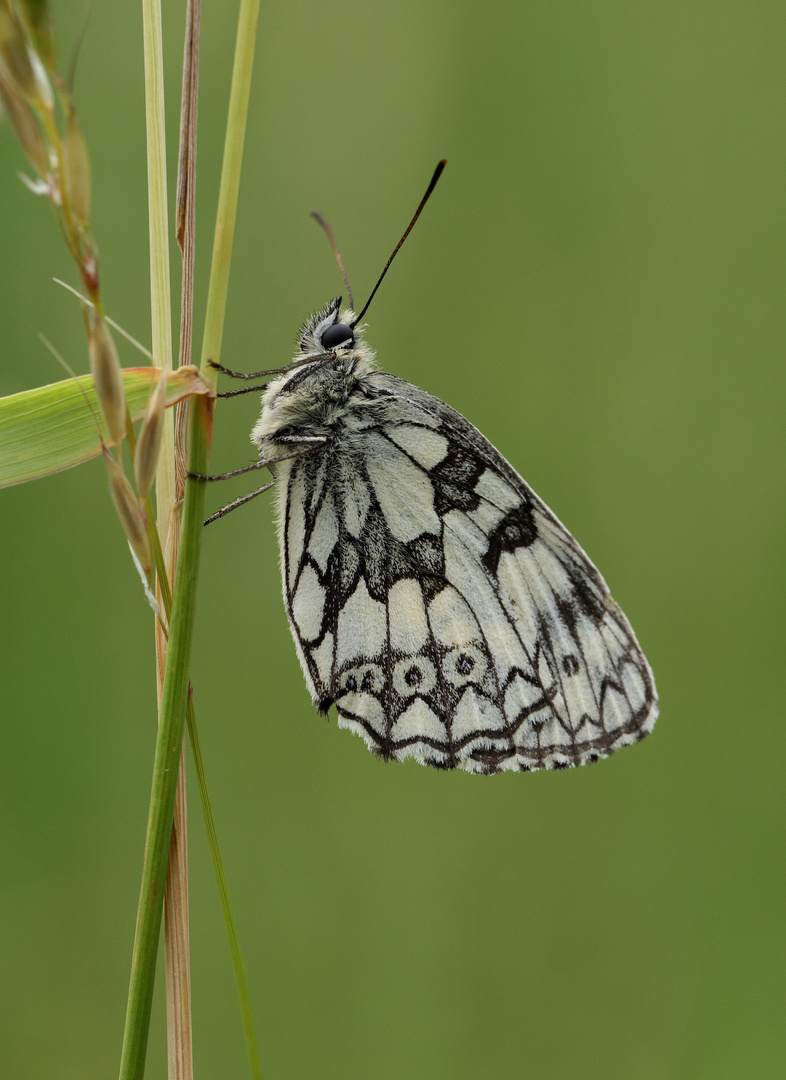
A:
[(166, 763), (230, 186)]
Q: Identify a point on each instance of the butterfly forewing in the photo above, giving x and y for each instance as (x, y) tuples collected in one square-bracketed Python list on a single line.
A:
[(436, 599)]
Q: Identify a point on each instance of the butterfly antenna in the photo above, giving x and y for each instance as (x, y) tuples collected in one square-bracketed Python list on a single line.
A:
[(326, 226), (423, 201)]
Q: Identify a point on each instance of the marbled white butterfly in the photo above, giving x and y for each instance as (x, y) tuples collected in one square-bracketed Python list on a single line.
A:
[(432, 596)]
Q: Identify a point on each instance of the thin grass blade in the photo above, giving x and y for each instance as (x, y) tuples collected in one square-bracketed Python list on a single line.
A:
[(55, 427)]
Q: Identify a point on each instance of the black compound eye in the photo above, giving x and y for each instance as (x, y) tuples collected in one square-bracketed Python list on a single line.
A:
[(337, 334)]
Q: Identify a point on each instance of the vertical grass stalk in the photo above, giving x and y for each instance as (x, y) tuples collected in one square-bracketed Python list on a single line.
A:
[(158, 217), (230, 185), (176, 928)]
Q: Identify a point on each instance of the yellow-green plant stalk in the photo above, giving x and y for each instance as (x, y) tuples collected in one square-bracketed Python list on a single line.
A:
[(160, 305)]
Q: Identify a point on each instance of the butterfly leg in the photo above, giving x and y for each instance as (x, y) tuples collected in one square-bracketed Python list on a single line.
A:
[(316, 358), (263, 464), (245, 390), (313, 442), (239, 502)]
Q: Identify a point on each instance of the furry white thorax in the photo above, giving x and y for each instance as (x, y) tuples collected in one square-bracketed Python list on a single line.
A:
[(312, 399)]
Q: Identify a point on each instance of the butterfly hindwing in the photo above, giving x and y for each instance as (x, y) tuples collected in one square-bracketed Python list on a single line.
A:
[(443, 607)]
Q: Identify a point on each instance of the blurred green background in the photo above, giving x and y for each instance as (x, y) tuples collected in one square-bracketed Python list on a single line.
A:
[(599, 285)]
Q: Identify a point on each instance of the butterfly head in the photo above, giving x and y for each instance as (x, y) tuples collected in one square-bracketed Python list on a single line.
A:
[(312, 396), (337, 333), (328, 330)]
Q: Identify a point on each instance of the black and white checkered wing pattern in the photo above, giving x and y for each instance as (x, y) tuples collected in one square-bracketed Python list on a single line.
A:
[(443, 607)]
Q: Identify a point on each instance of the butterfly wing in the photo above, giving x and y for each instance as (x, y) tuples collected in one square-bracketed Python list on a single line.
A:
[(442, 606)]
